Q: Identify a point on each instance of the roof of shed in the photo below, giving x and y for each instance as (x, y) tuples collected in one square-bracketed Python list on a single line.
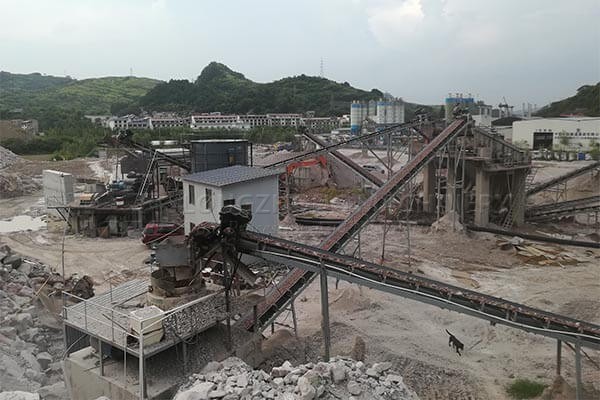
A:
[(230, 175)]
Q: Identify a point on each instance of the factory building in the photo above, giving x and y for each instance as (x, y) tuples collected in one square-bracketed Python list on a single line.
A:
[(254, 189), (293, 120), (217, 121), (571, 134), (383, 112), (320, 124)]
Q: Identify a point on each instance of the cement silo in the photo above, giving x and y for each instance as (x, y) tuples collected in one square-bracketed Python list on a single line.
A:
[(356, 116), (381, 112), (372, 110), (398, 111), (218, 153)]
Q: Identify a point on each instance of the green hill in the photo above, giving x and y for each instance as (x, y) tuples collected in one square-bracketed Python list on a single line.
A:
[(218, 88), (17, 89), (35, 92), (586, 102)]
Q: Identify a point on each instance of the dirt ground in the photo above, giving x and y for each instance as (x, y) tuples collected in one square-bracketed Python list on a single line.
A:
[(105, 260), (408, 333), (413, 335)]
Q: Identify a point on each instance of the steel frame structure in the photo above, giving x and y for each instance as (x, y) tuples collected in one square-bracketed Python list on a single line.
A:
[(465, 301)]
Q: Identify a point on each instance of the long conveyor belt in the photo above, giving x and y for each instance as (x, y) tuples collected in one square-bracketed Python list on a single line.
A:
[(570, 207), (559, 179), (347, 162), (297, 279), (494, 309)]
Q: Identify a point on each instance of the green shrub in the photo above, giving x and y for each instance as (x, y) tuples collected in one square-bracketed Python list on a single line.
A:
[(525, 389)]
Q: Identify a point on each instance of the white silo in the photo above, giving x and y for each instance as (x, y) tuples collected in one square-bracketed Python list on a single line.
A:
[(372, 112), (381, 112), (390, 111), (355, 116), (398, 111)]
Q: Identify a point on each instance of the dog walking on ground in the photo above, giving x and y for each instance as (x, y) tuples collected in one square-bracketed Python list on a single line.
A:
[(454, 342)]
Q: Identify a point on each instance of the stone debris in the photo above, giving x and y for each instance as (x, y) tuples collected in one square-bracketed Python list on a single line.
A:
[(540, 254), (7, 157), (15, 185), (18, 395), (30, 337), (341, 378)]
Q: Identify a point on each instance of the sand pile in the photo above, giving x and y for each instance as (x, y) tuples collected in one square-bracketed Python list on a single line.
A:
[(449, 222)]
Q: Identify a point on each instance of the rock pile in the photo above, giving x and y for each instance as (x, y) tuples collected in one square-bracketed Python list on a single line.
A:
[(14, 185), (341, 378), (7, 157), (30, 337)]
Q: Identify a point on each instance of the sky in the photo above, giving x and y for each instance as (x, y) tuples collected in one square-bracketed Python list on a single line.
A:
[(533, 51)]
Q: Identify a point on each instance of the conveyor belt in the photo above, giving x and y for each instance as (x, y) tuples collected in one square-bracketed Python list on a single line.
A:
[(297, 279), (347, 162), (418, 288), (160, 155), (537, 238), (325, 148), (373, 204), (570, 207), (559, 179)]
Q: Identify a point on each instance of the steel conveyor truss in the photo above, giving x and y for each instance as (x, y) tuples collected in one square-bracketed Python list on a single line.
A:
[(570, 207), (297, 279), (496, 310), (325, 148), (563, 178)]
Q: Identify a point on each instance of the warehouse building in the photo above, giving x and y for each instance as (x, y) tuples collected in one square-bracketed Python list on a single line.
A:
[(571, 134)]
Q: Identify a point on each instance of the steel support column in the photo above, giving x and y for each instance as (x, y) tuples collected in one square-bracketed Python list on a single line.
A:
[(294, 319), (325, 313), (578, 385), (141, 362), (101, 358), (185, 356), (558, 356)]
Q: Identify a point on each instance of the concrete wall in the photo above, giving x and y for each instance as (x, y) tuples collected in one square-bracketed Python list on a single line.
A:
[(58, 188), (580, 131), (261, 194), (83, 380)]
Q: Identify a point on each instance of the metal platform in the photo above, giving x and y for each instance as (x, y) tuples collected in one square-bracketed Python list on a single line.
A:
[(106, 318)]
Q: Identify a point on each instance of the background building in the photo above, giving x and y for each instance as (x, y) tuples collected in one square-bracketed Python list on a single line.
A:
[(571, 134), (18, 129)]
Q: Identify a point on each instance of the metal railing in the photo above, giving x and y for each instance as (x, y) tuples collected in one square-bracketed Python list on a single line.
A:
[(119, 335)]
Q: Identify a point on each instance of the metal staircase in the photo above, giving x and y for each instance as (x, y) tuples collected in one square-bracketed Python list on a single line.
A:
[(517, 204)]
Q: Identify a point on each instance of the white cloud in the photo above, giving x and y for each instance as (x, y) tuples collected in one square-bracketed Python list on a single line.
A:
[(392, 21), (64, 22)]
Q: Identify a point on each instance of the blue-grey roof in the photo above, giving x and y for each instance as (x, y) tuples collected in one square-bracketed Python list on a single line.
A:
[(230, 175)]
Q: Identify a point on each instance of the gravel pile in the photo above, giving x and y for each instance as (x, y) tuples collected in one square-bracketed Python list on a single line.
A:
[(7, 157), (31, 342), (341, 378)]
